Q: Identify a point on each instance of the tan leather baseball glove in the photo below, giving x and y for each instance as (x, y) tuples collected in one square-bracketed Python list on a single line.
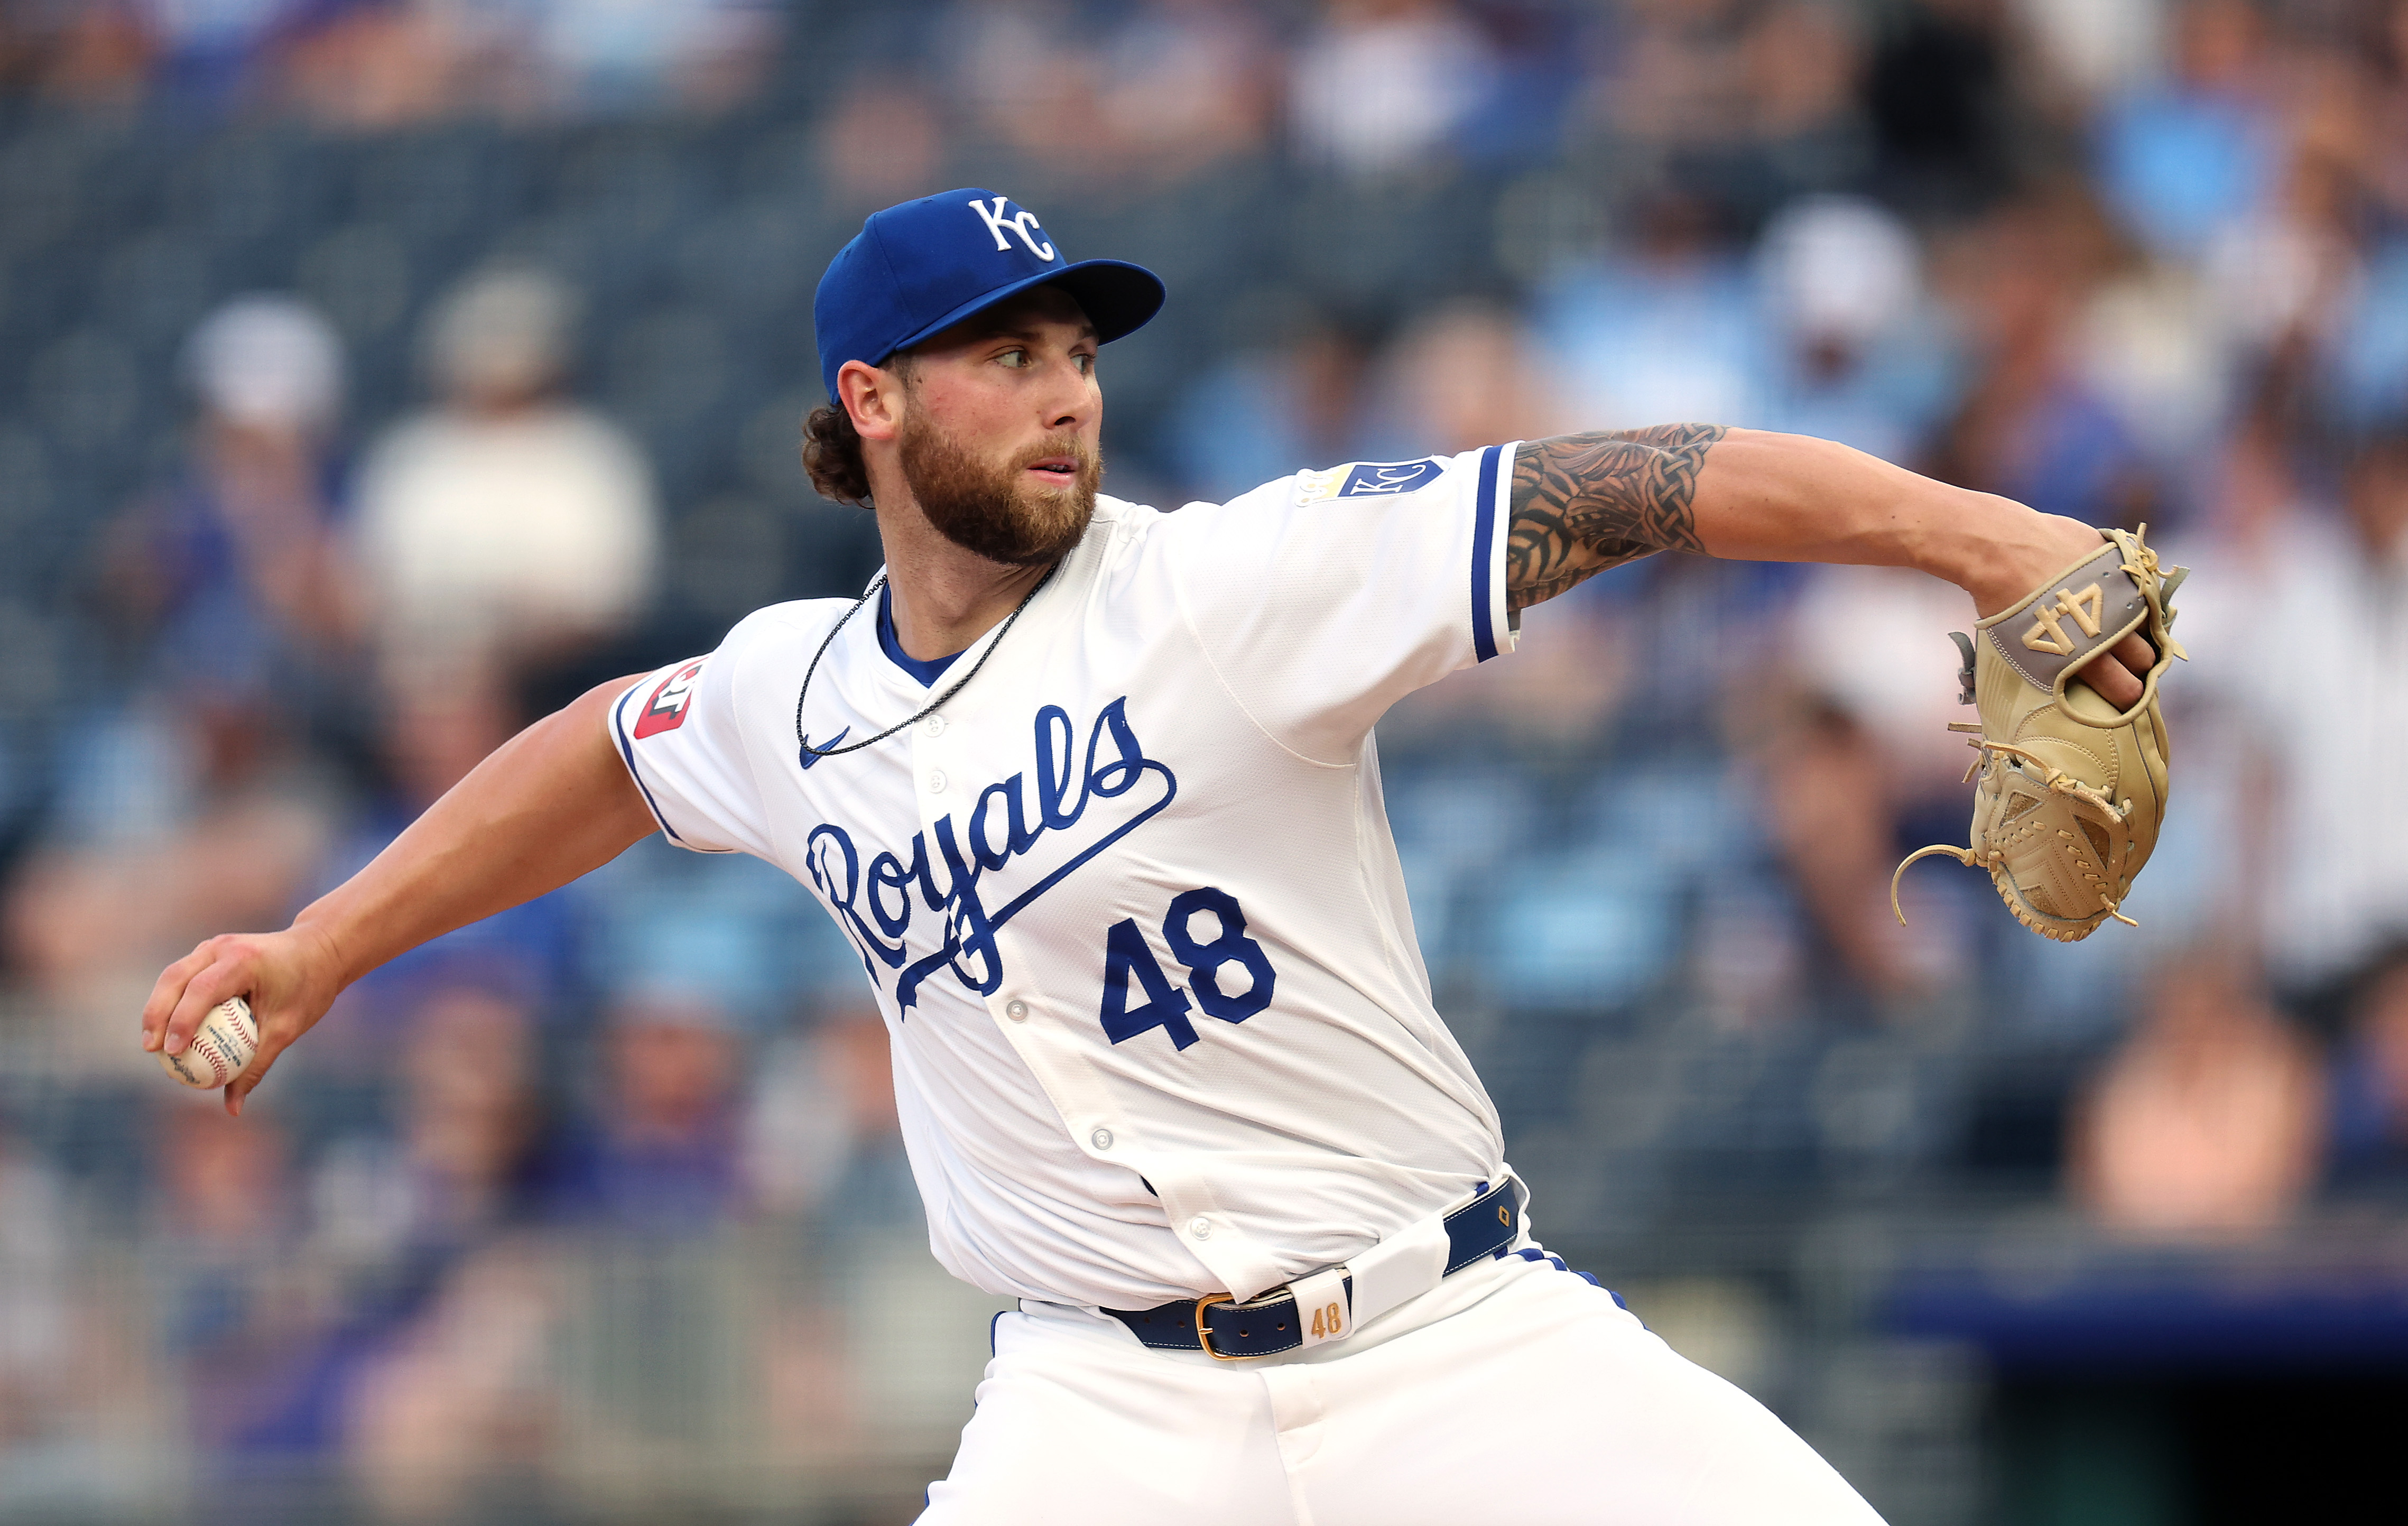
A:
[(2070, 792)]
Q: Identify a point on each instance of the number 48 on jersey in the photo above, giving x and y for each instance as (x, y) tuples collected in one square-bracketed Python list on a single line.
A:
[(1127, 958)]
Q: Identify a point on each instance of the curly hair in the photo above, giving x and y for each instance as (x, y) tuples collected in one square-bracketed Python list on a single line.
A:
[(832, 454)]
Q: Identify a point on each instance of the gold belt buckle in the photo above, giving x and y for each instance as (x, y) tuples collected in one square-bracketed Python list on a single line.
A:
[(1203, 1333), (1260, 1300)]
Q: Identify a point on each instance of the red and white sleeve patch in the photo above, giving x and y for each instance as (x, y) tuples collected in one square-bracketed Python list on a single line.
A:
[(666, 710)]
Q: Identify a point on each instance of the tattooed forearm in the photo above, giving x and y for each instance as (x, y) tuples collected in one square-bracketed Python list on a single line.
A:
[(1583, 503)]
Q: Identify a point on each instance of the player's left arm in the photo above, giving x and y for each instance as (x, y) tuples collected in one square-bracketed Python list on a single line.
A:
[(1586, 502)]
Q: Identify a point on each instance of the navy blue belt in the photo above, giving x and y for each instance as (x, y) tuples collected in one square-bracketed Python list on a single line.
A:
[(1270, 1325)]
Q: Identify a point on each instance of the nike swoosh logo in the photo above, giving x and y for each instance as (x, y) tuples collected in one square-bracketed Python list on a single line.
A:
[(809, 757)]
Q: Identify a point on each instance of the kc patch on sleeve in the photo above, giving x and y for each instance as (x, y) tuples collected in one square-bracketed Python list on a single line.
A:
[(1367, 480)]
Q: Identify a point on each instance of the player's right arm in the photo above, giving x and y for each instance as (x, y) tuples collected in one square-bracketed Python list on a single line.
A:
[(550, 804)]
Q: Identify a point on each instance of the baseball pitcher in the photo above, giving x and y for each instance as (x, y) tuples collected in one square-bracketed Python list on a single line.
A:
[(1092, 792)]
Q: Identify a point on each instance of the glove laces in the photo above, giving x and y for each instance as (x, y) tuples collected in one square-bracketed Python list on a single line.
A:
[(2057, 780)]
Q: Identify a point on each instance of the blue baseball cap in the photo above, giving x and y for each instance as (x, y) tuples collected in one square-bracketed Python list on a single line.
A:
[(924, 266)]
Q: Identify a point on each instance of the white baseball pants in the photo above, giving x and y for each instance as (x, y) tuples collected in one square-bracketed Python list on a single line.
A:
[(1514, 1392)]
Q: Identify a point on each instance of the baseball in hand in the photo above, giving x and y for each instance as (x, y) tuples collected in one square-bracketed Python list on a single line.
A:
[(221, 1047)]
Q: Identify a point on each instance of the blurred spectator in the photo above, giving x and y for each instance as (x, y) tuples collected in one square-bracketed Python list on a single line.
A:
[(434, 734), (615, 55), (2310, 644), (1746, 104), (2348, 196), (822, 1138), (661, 1150), (219, 1182), (883, 142), (508, 526), (2031, 426), (1863, 357), (1804, 61), (1676, 75), (89, 52), (230, 1290), (1294, 400), (1459, 378), (233, 579), (468, 1129), (385, 64), (1666, 328), (208, 51), (1023, 73), (2182, 164), (2093, 49), (424, 1372), (1382, 86), (2282, 268), (463, 1393), (798, 1132), (2369, 1085), (1185, 84), (1150, 92), (2347, 297), (1830, 811), (2207, 1123), (1873, 640), (87, 919), (731, 931)]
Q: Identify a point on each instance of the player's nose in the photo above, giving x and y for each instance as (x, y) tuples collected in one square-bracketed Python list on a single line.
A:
[(1068, 400)]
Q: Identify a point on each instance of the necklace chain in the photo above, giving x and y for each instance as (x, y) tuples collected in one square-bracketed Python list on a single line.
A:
[(960, 683)]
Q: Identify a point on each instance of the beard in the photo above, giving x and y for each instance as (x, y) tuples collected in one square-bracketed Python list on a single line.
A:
[(988, 508)]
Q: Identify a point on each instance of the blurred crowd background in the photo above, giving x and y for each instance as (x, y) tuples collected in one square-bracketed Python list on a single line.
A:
[(380, 373)]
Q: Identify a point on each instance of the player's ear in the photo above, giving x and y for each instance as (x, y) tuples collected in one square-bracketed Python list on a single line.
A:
[(874, 397)]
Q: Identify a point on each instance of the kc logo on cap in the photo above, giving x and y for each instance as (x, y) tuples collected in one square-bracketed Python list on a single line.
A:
[(919, 268), (996, 223)]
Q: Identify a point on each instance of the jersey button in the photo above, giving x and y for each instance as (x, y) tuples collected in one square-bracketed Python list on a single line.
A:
[(1016, 1010), (933, 726), (936, 783), (1200, 1229), (1102, 1138)]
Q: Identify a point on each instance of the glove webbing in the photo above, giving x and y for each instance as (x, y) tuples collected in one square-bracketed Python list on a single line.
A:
[(2056, 779)]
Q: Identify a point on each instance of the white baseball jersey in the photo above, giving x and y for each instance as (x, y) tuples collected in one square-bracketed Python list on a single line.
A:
[(1129, 900)]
